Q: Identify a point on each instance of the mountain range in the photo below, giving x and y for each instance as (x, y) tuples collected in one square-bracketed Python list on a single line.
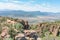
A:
[(20, 13), (31, 15)]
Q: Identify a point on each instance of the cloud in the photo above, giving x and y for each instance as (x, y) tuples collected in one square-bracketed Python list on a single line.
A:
[(27, 7), (13, 6)]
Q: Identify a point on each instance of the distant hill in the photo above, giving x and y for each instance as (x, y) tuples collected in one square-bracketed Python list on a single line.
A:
[(31, 16), (20, 13)]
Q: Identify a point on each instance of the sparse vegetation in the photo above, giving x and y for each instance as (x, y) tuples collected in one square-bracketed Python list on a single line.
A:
[(44, 30)]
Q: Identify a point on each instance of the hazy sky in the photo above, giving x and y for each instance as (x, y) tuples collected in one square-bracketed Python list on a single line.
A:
[(31, 5)]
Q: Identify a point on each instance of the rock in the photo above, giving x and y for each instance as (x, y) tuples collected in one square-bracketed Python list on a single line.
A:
[(31, 38), (38, 38)]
